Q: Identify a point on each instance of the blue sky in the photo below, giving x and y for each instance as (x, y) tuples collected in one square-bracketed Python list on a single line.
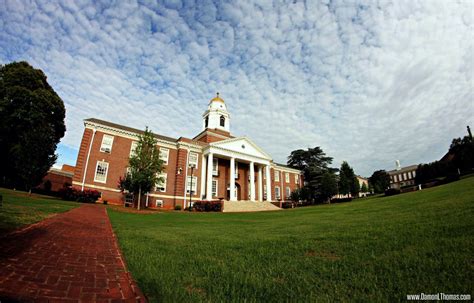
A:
[(370, 82)]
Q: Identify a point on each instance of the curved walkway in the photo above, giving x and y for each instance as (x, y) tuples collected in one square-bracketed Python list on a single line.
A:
[(71, 257)]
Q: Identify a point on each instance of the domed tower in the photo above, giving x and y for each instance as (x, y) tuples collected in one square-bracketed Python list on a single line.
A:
[(216, 116)]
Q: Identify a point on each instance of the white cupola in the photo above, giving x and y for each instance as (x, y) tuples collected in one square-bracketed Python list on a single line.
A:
[(216, 115)]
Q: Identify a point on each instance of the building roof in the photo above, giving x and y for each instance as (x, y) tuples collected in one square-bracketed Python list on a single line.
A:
[(217, 98), (129, 129), (403, 169)]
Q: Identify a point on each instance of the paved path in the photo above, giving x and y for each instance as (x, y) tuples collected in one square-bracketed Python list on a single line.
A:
[(71, 257)]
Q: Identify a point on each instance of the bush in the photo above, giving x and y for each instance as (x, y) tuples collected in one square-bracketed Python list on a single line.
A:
[(47, 185), (341, 200), (207, 206), (177, 207), (288, 205), (392, 191), (86, 196)]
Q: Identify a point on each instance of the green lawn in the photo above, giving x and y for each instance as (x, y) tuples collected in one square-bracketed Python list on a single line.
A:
[(20, 209), (369, 250)]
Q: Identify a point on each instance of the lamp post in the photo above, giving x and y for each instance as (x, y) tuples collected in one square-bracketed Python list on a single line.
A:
[(191, 187)]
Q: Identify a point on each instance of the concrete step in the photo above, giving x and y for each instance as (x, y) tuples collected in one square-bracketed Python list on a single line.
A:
[(248, 206)]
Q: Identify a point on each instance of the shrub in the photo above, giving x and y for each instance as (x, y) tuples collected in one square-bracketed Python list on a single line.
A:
[(177, 207), (288, 205), (207, 206), (86, 196), (392, 191), (341, 200)]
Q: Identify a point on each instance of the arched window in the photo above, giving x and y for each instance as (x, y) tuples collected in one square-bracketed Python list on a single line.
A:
[(222, 121), (206, 122)]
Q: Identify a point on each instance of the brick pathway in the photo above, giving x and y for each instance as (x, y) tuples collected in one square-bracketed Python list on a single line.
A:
[(71, 257)]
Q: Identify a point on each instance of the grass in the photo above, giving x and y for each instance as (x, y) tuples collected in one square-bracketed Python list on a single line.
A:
[(19, 209), (368, 250)]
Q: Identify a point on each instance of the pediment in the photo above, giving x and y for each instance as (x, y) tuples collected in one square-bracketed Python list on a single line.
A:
[(241, 145)]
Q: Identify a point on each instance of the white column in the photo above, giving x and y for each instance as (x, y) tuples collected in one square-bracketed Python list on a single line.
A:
[(209, 177), (269, 183), (203, 176), (232, 196), (252, 182), (260, 183)]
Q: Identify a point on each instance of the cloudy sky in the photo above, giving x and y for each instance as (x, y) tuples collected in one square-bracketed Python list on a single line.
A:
[(369, 82)]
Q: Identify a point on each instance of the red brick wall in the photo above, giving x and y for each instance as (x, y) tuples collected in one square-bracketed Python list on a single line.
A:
[(57, 180)]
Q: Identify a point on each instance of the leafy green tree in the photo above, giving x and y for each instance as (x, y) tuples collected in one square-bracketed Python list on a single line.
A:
[(313, 162), (31, 125), (462, 151), (144, 166), (380, 181), (355, 187), (328, 187), (363, 188)]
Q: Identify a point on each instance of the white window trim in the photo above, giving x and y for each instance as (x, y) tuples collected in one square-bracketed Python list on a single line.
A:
[(163, 188), (197, 160), (216, 166), (160, 202), (217, 188), (277, 193), (288, 192), (287, 177), (106, 172), (297, 179), (164, 151), (195, 179), (102, 148), (132, 149), (277, 176)]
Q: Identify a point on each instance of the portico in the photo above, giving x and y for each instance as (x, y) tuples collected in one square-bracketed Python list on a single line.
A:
[(239, 153)]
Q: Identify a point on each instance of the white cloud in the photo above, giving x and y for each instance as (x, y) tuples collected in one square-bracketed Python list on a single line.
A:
[(368, 82)]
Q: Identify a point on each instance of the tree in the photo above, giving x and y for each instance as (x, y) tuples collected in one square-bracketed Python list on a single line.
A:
[(328, 186), (380, 181), (363, 188), (31, 125), (144, 166), (462, 151), (355, 187), (348, 183), (313, 163)]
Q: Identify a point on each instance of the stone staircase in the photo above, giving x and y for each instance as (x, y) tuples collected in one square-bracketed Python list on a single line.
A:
[(248, 206)]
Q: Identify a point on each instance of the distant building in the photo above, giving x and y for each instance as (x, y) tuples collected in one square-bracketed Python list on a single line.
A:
[(402, 176), (58, 178)]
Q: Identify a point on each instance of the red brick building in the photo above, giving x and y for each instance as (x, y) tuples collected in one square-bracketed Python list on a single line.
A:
[(58, 178), (209, 160)]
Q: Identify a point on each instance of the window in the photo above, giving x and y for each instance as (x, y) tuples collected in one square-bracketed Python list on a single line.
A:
[(188, 186), (128, 198), (400, 177), (277, 176), (277, 192), (128, 170), (236, 170), (413, 173), (395, 178), (159, 203), (409, 175), (133, 148), (222, 121), (193, 160), (288, 192), (214, 188), (106, 146), (264, 191), (297, 179), (215, 165), (101, 172), (404, 176), (206, 122), (287, 177), (161, 184), (164, 154)]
